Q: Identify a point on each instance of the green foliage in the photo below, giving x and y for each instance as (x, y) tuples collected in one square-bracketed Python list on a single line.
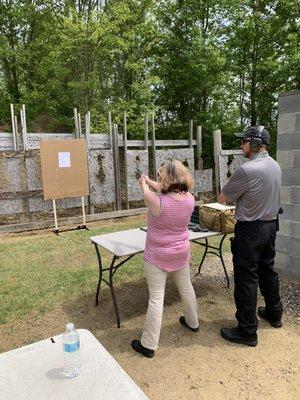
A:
[(221, 63), (260, 56)]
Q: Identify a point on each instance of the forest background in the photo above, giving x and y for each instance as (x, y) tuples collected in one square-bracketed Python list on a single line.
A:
[(221, 63)]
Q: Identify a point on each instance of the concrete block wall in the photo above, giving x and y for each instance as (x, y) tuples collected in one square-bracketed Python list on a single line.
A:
[(288, 157)]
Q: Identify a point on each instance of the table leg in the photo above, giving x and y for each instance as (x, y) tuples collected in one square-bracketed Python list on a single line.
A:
[(100, 273), (112, 270), (203, 257), (218, 254), (222, 260), (111, 274)]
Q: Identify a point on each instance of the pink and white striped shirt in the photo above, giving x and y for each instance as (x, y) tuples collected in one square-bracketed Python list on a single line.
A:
[(167, 243)]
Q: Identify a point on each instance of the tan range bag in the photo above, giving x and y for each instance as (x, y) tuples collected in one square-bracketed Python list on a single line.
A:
[(217, 217)]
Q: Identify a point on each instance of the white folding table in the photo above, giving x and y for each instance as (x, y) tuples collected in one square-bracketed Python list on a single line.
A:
[(35, 372), (126, 244)]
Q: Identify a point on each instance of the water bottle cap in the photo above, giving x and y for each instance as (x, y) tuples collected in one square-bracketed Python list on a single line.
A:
[(70, 327)]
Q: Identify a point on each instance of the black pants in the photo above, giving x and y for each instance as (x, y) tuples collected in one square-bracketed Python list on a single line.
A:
[(253, 249)]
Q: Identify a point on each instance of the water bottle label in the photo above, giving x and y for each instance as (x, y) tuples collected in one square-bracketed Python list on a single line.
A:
[(71, 348)]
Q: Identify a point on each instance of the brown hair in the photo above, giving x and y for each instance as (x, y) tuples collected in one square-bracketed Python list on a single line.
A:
[(174, 176)]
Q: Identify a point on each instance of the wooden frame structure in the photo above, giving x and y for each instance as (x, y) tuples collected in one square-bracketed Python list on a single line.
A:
[(115, 140)]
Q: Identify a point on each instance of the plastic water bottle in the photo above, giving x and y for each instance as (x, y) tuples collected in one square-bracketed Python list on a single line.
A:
[(71, 347)]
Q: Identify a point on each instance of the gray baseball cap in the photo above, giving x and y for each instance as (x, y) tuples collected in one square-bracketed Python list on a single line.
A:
[(255, 131)]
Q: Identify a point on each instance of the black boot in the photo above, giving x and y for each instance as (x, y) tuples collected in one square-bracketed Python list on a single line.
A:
[(137, 346), (262, 313), (234, 335), (183, 322)]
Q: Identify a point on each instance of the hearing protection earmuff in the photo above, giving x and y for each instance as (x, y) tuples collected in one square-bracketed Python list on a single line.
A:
[(256, 140)]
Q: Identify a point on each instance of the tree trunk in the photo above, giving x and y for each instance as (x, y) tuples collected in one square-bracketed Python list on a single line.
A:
[(253, 90)]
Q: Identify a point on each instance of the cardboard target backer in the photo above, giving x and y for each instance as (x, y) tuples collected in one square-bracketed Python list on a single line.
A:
[(64, 168)]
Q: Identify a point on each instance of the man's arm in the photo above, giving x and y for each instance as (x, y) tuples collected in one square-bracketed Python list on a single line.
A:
[(235, 187), (222, 198)]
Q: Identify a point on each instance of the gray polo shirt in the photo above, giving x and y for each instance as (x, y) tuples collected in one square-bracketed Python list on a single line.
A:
[(255, 187)]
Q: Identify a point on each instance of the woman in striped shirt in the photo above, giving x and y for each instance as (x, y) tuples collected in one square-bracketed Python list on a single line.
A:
[(167, 249)]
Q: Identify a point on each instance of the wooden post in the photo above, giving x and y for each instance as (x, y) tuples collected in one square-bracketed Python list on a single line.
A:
[(12, 114), (55, 216), (88, 129), (76, 122), (79, 126), (24, 127), (191, 134), (24, 178), (199, 148), (20, 130), (110, 130), (83, 211), (146, 131), (217, 152), (125, 159), (16, 131), (117, 167), (153, 146), (91, 209)]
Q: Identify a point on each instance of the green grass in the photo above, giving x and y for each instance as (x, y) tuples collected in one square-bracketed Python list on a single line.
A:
[(38, 272)]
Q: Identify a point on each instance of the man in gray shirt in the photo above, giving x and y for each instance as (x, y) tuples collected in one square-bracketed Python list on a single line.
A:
[(255, 187)]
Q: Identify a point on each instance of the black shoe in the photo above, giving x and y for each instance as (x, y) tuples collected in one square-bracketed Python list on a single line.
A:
[(137, 346), (262, 313), (233, 335), (182, 321)]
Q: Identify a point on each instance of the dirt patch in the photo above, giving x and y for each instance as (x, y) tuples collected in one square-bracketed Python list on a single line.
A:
[(187, 365)]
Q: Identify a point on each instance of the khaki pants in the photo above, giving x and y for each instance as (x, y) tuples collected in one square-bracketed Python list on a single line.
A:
[(156, 279)]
